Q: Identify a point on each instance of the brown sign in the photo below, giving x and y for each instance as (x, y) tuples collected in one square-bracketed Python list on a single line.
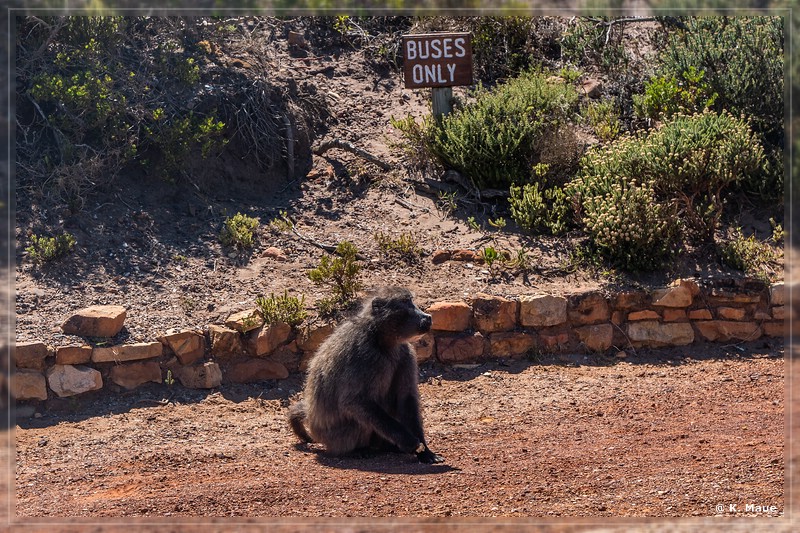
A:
[(437, 60)]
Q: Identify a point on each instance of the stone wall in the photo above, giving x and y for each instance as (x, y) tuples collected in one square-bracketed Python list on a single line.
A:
[(243, 349)]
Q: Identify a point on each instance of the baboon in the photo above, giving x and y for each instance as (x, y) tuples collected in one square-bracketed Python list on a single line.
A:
[(361, 388)]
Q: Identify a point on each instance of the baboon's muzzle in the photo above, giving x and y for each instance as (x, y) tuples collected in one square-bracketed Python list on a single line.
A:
[(425, 323)]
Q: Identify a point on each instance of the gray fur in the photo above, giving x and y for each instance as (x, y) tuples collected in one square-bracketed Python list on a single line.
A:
[(361, 389)]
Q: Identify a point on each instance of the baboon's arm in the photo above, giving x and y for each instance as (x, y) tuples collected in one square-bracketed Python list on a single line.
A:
[(370, 413)]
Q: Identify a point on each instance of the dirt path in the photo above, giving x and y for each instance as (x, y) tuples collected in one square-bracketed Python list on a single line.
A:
[(669, 434)]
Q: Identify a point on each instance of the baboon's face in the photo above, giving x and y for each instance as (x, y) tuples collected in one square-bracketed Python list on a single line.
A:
[(401, 316)]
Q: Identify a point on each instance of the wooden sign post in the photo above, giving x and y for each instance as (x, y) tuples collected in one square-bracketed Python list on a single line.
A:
[(440, 61)]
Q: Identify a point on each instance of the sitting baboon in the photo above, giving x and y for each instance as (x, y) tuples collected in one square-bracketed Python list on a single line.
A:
[(361, 389)]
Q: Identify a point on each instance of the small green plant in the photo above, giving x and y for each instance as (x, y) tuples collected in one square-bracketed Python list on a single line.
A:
[(539, 212), (45, 249), (492, 258), (499, 223), (748, 254), (473, 225), (448, 202), (342, 24), (287, 309), (522, 261), (665, 96), (238, 231), (778, 234), (282, 222), (169, 380), (406, 245), (603, 118), (341, 273), (570, 75)]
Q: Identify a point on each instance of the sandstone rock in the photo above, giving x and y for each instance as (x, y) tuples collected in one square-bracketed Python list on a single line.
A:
[(777, 294), (459, 348), (288, 355), (630, 300), (31, 355), (28, 385), (721, 298), (760, 314), (96, 321), (424, 347), (700, 314), (617, 317), (597, 337), (127, 352), (724, 330), (297, 39), (542, 310), (731, 313), (267, 338), (654, 334), (465, 255), (188, 345), (588, 308), (647, 314), (779, 312), (69, 380), (274, 253), (678, 296), (73, 355), (245, 321), (450, 316), (672, 314), (204, 376), (554, 342), (253, 370), (309, 339), (225, 342), (132, 375), (511, 344), (775, 329), (494, 313), (688, 284), (440, 256), (592, 88)]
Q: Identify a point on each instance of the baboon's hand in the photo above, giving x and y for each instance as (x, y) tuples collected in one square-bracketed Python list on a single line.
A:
[(428, 457)]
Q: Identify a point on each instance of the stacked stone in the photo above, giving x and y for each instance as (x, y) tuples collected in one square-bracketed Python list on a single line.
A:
[(494, 326), (244, 349)]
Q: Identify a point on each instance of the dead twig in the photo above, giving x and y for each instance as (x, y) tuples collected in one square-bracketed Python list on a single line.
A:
[(350, 147), (327, 247)]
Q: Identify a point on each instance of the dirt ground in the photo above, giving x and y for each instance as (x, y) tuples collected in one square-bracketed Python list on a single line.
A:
[(656, 435)]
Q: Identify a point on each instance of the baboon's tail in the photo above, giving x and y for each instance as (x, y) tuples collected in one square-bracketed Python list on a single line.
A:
[(297, 414)]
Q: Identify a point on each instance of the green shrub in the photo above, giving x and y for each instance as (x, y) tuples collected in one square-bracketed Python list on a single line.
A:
[(585, 42), (287, 309), (538, 211), (742, 58), (341, 273), (665, 96), (238, 231), (406, 246), (603, 117), (495, 139), (46, 249), (690, 159), (626, 223)]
